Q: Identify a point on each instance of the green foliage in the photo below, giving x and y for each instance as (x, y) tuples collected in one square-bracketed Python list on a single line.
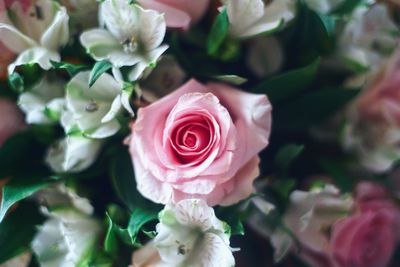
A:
[(218, 33), (16, 82), (20, 188), (289, 84), (71, 69), (99, 69), (312, 108), (286, 155), (18, 230)]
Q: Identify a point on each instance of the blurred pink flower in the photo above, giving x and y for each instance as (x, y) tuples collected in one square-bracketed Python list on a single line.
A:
[(201, 141), (369, 237), (178, 13)]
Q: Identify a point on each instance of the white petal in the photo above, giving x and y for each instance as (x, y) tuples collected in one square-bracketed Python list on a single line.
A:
[(120, 18), (14, 39), (57, 33), (38, 55), (99, 43), (105, 130), (73, 154), (152, 28), (243, 14), (115, 109), (125, 100), (66, 239)]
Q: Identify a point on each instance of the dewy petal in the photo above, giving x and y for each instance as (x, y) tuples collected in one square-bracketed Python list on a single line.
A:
[(14, 39), (38, 55), (57, 33), (152, 28), (120, 18)]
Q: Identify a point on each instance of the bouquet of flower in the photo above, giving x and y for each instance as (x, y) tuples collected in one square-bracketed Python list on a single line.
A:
[(199, 133)]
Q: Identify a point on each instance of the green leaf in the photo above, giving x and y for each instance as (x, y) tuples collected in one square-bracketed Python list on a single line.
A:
[(72, 69), (289, 84), (286, 155), (16, 82), (312, 108), (138, 219), (18, 230), (98, 69), (110, 241), (218, 33), (232, 216), (18, 189)]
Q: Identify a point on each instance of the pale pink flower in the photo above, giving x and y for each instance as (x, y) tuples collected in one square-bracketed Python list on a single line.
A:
[(178, 13), (201, 141)]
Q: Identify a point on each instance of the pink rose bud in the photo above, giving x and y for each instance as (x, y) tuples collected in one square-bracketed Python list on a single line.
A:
[(178, 13), (201, 141), (11, 120)]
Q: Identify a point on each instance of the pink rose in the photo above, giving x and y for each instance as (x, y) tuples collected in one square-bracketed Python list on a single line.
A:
[(178, 13), (11, 120), (201, 141), (368, 238), (26, 4)]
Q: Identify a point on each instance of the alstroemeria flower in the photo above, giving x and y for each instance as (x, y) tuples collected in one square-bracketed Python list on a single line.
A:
[(74, 153), (83, 14), (253, 17), (189, 234), (132, 36), (368, 39), (67, 238), (44, 103), (94, 109), (35, 33), (309, 216)]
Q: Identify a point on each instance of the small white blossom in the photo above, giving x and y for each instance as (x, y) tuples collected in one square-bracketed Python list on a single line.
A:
[(93, 110), (35, 34), (66, 239), (132, 36), (189, 234), (44, 103), (74, 153), (252, 17)]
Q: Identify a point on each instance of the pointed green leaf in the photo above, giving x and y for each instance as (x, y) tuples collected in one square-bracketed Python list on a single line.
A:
[(72, 69), (98, 69)]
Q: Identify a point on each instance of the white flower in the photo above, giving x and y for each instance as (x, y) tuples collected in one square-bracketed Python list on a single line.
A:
[(253, 17), (74, 153), (94, 109), (132, 36), (35, 34), (310, 216), (67, 239), (189, 234), (44, 103), (369, 38)]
